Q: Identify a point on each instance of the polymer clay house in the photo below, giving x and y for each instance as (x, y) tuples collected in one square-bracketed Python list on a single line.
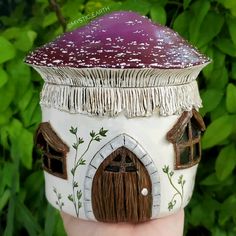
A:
[(120, 134)]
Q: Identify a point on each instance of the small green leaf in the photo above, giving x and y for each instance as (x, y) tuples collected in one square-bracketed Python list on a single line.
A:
[(27, 219), (103, 132), (226, 46), (75, 145), (211, 27), (4, 199), (7, 50), (211, 98), (81, 140), (233, 72), (25, 41), (73, 130), (75, 184), (49, 19), (3, 77), (199, 11), (98, 139), (181, 24), (229, 4), (82, 162), (231, 98), (70, 197), (158, 14), (217, 131), (186, 3), (231, 22), (92, 134), (79, 194), (225, 162)]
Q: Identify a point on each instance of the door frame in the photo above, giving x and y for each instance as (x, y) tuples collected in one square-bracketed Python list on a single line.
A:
[(122, 140)]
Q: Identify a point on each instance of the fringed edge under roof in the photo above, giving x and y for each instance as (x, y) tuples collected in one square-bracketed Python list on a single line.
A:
[(133, 102)]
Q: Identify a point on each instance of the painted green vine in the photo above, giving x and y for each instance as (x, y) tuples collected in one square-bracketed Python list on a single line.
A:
[(75, 196), (59, 202), (179, 191)]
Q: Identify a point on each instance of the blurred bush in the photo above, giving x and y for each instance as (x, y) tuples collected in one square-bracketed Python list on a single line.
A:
[(208, 24)]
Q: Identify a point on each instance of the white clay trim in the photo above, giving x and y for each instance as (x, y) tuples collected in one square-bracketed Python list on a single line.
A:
[(110, 77), (166, 100), (122, 140)]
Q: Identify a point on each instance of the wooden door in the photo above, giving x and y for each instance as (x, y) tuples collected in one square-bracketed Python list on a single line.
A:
[(121, 190)]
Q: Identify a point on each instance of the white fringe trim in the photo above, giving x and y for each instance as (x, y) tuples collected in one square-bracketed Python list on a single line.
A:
[(110, 77), (101, 101)]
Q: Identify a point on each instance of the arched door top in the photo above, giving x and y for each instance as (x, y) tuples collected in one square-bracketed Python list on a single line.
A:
[(122, 140)]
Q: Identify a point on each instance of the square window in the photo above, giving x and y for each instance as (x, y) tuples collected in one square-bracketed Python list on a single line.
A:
[(45, 162), (196, 152), (56, 166), (185, 156)]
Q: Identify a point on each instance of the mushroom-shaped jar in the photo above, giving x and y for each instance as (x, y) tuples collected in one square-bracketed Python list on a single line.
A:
[(121, 131)]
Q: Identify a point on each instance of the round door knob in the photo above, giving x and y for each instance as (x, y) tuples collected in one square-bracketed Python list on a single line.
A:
[(144, 192)]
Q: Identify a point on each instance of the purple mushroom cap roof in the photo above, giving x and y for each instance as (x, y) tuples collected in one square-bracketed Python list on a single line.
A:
[(118, 40)]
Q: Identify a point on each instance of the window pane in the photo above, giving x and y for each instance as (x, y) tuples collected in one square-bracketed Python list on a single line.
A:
[(185, 156), (195, 130), (184, 138), (130, 169), (54, 152), (56, 166), (112, 168), (41, 143), (196, 151), (45, 161), (117, 158), (127, 159)]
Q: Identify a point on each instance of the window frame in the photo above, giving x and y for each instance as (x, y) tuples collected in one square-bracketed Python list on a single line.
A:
[(176, 133), (52, 140)]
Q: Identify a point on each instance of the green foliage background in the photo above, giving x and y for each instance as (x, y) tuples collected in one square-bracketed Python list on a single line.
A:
[(208, 24)]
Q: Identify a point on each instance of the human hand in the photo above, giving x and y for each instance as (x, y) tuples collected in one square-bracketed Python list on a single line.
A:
[(168, 226)]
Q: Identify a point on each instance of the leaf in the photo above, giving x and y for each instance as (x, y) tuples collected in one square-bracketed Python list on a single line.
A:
[(226, 46), (226, 209), (225, 162), (181, 24), (7, 93), (25, 41), (98, 139), (211, 98), (103, 132), (199, 11), (210, 180), (50, 220), (231, 22), (217, 131), (7, 50), (3, 77), (229, 4), (186, 3), (79, 194), (75, 145), (75, 184), (10, 217), (70, 197), (4, 198), (233, 72), (210, 28), (26, 218), (158, 14), (21, 143), (92, 134), (73, 130), (49, 19), (231, 98)]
